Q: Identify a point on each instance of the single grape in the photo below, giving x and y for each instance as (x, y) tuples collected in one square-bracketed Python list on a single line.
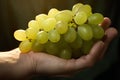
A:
[(53, 36), (31, 33), (70, 35), (80, 18), (98, 31), (37, 47), (20, 35), (34, 24), (42, 37), (52, 48), (85, 32), (25, 46), (62, 44), (76, 7), (61, 27), (87, 45), (87, 9), (41, 17), (95, 18), (77, 43), (49, 24), (65, 54), (65, 15), (52, 12)]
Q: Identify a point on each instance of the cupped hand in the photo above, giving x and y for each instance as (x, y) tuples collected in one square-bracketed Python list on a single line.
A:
[(48, 64)]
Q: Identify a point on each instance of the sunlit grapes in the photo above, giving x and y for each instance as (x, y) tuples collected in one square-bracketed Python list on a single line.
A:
[(62, 33)]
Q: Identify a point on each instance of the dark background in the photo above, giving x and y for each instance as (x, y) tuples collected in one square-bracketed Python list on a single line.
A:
[(15, 14)]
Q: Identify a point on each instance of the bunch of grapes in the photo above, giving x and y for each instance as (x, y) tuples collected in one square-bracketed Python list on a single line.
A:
[(66, 33)]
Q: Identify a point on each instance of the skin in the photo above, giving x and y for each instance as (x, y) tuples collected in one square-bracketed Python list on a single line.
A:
[(15, 65)]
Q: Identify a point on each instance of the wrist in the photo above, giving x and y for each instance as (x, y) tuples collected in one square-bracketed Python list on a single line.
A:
[(13, 64), (10, 56)]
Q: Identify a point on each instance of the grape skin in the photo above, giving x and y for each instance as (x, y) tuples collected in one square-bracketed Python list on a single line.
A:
[(42, 37), (61, 27), (70, 35), (20, 35), (66, 54), (85, 32), (65, 15), (53, 36), (95, 18), (52, 12), (49, 24), (98, 31), (31, 33), (76, 7), (25, 46), (80, 18), (37, 47)]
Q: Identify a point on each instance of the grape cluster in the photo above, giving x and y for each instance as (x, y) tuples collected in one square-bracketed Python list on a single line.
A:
[(63, 33)]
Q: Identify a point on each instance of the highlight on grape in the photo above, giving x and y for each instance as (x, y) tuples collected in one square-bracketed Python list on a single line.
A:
[(63, 33)]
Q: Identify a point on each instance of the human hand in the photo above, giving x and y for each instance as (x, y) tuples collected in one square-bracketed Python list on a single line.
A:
[(58, 66), (45, 64)]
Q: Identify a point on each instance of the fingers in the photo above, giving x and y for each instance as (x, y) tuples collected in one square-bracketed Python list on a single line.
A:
[(106, 23), (95, 53), (110, 33), (85, 61)]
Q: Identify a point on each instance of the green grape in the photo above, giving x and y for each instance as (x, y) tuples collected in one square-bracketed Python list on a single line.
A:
[(65, 54), (42, 37), (85, 32), (77, 43), (25, 46), (53, 36), (34, 24), (41, 17), (87, 45), (20, 35), (49, 24), (76, 7), (95, 18), (31, 33), (87, 9), (52, 48), (70, 35), (98, 31), (61, 27), (65, 15), (37, 47), (62, 44), (52, 12), (80, 18)]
